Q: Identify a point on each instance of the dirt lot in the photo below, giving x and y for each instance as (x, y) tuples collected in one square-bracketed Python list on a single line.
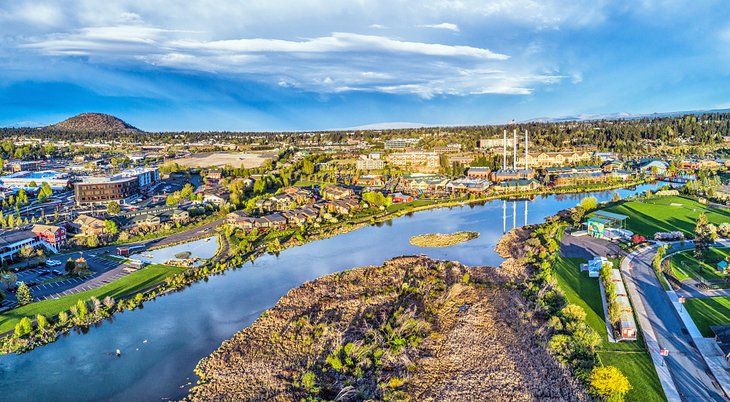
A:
[(235, 159)]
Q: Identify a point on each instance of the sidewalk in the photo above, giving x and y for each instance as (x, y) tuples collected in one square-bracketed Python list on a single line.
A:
[(665, 377), (708, 348)]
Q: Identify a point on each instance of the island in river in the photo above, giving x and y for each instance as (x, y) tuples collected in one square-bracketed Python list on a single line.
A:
[(442, 239), (413, 329)]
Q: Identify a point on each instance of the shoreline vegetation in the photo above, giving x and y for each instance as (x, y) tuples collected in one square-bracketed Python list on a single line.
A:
[(411, 329), (442, 239), (40, 329)]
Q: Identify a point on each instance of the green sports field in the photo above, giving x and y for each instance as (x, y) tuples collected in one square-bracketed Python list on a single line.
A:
[(667, 214), (708, 312)]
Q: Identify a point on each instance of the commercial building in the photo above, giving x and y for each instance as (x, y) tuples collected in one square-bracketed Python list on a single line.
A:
[(122, 187), (495, 142), (555, 158), (23, 179), (27, 166), (401, 143), (53, 235), (369, 163), (420, 161)]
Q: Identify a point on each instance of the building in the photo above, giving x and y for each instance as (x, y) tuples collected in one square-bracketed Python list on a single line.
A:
[(461, 159), (369, 163), (511, 174), (12, 242), (421, 161), (555, 158), (88, 225), (494, 143), (399, 198), (336, 193), (593, 267), (517, 185), (24, 166), (468, 185), (652, 165), (401, 143), (53, 235), (478, 172), (215, 174), (373, 180), (122, 187), (606, 225), (22, 179)]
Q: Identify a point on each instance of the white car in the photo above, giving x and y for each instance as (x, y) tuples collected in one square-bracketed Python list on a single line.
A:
[(52, 263)]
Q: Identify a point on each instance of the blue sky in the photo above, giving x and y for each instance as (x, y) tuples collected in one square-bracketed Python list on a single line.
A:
[(314, 64)]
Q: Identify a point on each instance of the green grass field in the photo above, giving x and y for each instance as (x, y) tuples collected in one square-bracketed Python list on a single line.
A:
[(630, 357), (660, 215), (639, 369), (685, 264), (127, 285), (707, 312)]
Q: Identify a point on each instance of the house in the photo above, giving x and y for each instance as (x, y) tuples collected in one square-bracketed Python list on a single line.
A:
[(336, 193), (341, 207), (401, 198), (217, 195), (517, 185), (273, 221), (300, 216), (478, 172), (180, 216), (722, 337), (88, 225), (215, 174), (236, 217), (370, 181), (53, 235)]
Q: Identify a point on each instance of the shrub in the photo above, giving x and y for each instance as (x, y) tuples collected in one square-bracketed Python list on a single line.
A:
[(609, 383)]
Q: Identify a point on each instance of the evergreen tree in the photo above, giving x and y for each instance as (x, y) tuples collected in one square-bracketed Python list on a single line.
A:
[(23, 294)]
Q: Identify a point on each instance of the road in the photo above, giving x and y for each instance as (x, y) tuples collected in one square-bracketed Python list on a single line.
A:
[(688, 370)]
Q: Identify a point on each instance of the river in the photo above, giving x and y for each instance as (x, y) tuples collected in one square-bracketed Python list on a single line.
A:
[(162, 342)]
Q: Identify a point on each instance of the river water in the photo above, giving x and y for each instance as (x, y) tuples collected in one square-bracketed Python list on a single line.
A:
[(162, 342)]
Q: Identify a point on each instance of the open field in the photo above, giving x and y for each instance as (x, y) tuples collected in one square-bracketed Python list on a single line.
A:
[(630, 357), (235, 159), (685, 265), (667, 214), (127, 285), (707, 312)]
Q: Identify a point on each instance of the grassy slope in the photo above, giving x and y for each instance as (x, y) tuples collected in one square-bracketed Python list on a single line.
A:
[(687, 264), (630, 357), (707, 312), (658, 215), (127, 285)]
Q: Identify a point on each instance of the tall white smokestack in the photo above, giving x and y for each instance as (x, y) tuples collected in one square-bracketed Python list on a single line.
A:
[(514, 153), (504, 150), (526, 155)]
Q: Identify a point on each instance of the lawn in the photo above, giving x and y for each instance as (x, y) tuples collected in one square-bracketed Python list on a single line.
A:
[(685, 264), (630, 357), (667, 214), (127, 285), (707, 312), (639, 369)]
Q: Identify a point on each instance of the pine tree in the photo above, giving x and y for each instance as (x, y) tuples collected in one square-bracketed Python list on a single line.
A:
[(23, 294)]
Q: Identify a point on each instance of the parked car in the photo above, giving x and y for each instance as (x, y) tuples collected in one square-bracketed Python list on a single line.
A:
[(57, 272), (53, 263)]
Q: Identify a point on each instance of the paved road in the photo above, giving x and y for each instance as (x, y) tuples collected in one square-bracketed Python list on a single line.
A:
[(686, 365)]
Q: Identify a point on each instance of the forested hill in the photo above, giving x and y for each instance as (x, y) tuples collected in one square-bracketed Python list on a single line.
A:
[(646, 135)]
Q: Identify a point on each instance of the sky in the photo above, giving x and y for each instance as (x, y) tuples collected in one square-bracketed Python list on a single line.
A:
[(278, 65)]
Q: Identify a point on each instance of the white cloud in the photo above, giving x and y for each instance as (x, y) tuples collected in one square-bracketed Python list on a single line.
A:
[(444, 25), (377, 26)]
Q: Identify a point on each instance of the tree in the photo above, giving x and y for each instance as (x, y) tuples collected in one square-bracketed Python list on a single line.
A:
[(609, 383), (23, 294), (113, 208), (705, 235), (588, 203), (92, 241), (70, 266), (44, 192), (24, 326), (8, 279), (111, 227)]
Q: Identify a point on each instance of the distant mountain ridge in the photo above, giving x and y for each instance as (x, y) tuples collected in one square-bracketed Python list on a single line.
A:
[(95, 122)]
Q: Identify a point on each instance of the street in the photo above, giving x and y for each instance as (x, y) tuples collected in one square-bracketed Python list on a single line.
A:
[(688, 370)]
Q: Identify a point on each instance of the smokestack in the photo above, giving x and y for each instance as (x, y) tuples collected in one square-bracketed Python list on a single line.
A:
[(526, 156), (504, 149), (514, 153)]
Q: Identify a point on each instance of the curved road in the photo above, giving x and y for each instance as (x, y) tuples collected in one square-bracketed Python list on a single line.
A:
[(664, 329)]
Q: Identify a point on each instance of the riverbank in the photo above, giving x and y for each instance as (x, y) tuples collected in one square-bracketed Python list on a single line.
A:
[(414, 328)]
